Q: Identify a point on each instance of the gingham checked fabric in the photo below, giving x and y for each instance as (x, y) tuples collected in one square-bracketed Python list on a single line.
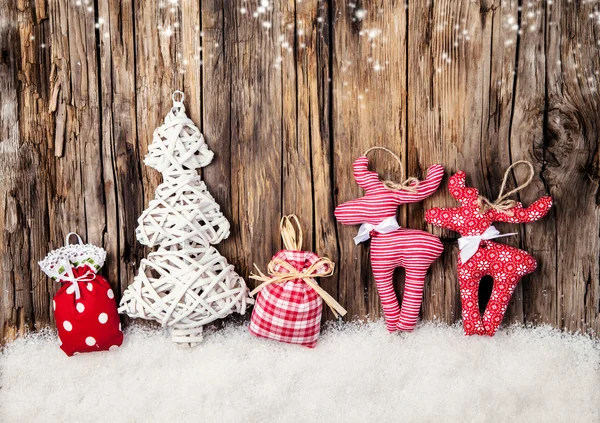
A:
[(289, 311)]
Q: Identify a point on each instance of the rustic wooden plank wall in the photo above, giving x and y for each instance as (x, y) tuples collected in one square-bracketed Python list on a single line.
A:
[(288, 97)]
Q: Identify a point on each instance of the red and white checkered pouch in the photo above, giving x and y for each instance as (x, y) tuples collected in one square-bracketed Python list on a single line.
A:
[(289, 302)]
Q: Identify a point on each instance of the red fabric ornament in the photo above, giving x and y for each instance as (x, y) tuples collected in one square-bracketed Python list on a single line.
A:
[(90, 323), (289, 311), (85, 310), (505, 264), (289, 303), (391, 245)]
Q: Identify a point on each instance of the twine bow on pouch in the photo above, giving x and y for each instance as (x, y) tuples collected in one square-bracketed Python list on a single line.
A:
[(280, 270)]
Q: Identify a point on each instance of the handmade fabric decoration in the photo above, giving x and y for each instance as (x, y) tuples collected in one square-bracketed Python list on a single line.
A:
[(479, 256), (85, 310), (186, 283), (289, 302), (391, 245)]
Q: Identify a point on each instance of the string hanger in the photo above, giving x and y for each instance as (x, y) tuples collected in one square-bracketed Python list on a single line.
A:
[(292, 239), (502, 203), (410, 184), (177, 98)]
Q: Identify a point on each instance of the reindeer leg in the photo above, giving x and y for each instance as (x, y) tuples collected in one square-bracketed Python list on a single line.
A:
[(469, 295), (506, 279), (384, 274), (413, 296), (496, 307)]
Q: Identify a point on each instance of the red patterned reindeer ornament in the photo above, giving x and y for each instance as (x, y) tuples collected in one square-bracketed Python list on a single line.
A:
[(479, 256), (289, 302), (85, 310)]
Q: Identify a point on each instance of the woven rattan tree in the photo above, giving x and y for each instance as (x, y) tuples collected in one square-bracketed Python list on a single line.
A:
[(185, 283)]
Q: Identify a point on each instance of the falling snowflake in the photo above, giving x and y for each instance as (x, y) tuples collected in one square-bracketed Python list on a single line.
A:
[(360, 14)]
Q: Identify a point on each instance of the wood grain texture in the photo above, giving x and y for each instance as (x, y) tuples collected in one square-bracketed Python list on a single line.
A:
[(287, 98), (369, 91), (25, 170), (448, 75), (217, 88), (16, 309), (571, 153), (256, 115), (525, 140), (120, 147)]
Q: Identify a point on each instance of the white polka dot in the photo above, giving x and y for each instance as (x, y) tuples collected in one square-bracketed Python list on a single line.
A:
[(53, 305), (70, 289), (113, 348), (110, 293), (103, 318), (80, 307), (90, 340), (68, 326), (90, 287)]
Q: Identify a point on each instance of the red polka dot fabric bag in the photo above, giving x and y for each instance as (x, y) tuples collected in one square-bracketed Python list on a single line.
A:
[(289, 302), (85, 310)]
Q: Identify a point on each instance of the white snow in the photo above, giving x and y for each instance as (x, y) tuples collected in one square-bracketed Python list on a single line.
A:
[(357, 373)]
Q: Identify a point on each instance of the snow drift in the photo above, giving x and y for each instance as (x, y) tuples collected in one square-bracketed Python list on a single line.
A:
[(357, 373)]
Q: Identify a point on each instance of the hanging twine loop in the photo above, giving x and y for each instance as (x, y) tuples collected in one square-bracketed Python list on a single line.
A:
[(292, 239), (410, 184), (280, 271), (503, 204)]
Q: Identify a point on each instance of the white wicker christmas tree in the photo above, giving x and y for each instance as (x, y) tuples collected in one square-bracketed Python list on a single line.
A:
[(186, 283)]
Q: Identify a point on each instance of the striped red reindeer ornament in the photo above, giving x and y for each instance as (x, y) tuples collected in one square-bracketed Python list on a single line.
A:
[(289, 300), (391, 245)]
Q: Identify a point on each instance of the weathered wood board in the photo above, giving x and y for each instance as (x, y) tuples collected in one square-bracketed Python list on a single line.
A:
[(288, 93)]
